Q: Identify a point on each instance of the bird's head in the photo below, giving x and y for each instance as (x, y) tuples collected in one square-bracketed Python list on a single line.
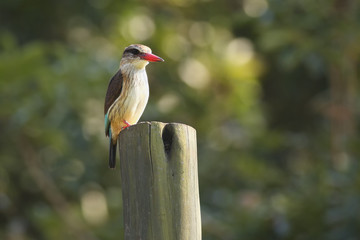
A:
[(138, 56)]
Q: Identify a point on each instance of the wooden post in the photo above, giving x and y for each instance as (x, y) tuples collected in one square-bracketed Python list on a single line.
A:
[(159, 176)]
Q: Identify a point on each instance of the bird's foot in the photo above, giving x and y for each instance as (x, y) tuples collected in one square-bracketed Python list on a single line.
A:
[(127, 124)]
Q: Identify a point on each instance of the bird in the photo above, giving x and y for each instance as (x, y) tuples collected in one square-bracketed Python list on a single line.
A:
[(127, 94)]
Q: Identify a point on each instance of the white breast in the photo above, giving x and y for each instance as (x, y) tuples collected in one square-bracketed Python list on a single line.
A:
[(136, 98)]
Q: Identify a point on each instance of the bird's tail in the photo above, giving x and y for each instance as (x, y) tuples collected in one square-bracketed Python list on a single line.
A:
[(112, 155), (112, 152)]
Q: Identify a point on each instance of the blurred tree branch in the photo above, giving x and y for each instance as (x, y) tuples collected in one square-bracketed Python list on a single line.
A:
[(53, 195)]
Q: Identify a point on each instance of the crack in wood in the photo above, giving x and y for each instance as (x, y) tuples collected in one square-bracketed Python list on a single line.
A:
[(167, 137)]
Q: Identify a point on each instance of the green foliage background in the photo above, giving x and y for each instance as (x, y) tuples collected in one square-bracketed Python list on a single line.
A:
[(271, 87)]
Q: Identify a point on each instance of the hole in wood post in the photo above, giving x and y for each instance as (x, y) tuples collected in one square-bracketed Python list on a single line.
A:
[(167, 137)]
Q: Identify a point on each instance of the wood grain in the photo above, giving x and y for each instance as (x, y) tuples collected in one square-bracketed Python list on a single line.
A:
[(159, 176)]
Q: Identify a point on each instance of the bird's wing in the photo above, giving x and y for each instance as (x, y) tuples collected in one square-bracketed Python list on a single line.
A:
[(113, 92), (107, 126)]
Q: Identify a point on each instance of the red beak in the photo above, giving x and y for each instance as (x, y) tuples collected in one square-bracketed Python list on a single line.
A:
[(151, 57)]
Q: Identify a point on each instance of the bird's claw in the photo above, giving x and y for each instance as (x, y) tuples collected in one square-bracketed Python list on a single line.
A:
[(127, 124)]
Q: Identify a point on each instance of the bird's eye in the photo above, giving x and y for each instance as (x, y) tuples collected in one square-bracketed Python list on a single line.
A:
[(133, 51)]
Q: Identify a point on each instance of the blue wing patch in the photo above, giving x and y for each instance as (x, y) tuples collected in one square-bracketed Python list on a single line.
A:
[(107, 126)]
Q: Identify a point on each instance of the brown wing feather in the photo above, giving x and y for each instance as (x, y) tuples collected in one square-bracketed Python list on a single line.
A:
[(114, 90)]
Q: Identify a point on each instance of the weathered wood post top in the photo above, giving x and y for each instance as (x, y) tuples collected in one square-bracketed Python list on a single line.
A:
[(159, 176)]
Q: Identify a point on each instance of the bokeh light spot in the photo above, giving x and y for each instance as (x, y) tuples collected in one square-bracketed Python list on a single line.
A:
[(141, 27), (194, 74), (94, 207), (239, 51), (175, 46), (167, 102), (255, 8), (201, 33)]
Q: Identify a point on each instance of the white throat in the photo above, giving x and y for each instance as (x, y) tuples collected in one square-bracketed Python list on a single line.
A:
[(133, 67)]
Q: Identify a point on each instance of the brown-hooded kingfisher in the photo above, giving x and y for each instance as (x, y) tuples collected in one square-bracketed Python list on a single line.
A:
[(127, 94)]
